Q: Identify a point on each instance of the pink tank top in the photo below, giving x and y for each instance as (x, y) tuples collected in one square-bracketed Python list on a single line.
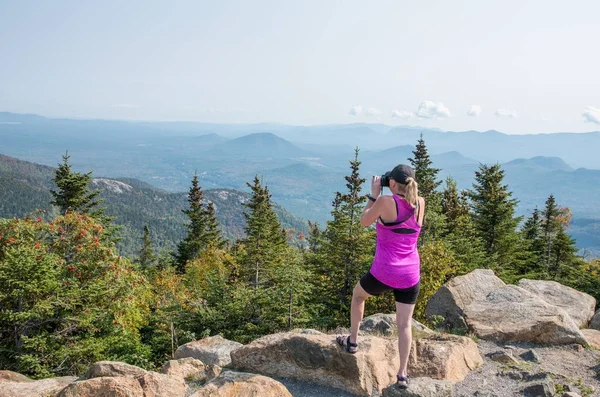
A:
[(396, 262)]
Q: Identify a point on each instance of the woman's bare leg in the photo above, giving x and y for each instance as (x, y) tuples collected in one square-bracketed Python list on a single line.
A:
[(357, 310), (404, 314)]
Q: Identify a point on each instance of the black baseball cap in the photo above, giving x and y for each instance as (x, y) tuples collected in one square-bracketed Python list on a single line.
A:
[(401, 172)]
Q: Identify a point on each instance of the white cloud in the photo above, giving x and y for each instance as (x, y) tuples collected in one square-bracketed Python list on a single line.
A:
[(591, 115), (474, 111), (356, 110), (371, 112), (401, 114), (432, 110), (126, 106), (506, 113)]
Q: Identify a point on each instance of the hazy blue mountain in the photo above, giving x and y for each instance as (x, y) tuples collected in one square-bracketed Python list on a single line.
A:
[(577, 149), (539, 164), (258, 145)]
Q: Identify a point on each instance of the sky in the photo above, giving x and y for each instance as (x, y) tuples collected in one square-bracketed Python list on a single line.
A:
[(514, 66)]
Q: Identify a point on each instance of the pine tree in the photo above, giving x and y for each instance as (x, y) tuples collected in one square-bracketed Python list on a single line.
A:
[(550, 227), (346, 250), (494, 216), (147, 257), (262, 257), (213, 234), (532, 234), (425, 174), (461, 235), (563, 251), (74, 193), (202, 229), (265, 238), (454, 206), (291, 292), (434, 222)]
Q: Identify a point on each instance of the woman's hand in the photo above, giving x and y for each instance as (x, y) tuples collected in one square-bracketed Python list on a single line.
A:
[(375, 186)]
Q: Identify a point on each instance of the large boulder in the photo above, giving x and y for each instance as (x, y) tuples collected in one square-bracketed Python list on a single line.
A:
[(579, 305), (385, 324), (186, 368), (448, 302), (10, 376), (38, 388), (319, 359), (238, 384), (159, 385), (595, 323), (112, 369), (212, 350), (512, 314), (444, 357), (379, 324), (422, 387), (104, 387), (592, 336)]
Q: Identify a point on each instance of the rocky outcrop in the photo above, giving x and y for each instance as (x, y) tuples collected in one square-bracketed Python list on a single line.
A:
[(447, 304), (104, 386), (319, 359), (186, 368), (212, 350), (10, 376), (113, 369), (237, 384), (580, 306), (422, 387), (447, 357), (38, 388), (512, 314), (158, 385)]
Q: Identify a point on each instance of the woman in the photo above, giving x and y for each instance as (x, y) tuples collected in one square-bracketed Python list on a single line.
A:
[(396, 264)]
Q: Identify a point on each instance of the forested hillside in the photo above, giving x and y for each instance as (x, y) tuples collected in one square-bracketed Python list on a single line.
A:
[(25, 190)]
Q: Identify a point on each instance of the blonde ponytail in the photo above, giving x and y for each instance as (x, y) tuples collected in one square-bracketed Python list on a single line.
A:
[(412, 191)]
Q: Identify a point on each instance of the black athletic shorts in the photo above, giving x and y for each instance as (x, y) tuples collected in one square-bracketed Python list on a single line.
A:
[(372, 286)]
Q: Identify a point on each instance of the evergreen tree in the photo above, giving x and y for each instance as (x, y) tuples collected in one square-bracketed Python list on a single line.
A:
[(434, 222), (262, 257), (202, 229), (213, 234), (532, 234), (315, 236), (455, 206), (426, 175), (147, 257), (550, 227), (265, 239), (292, 292), (346, 250), (74, 193), (563, 252), (494, 216), (461, 235)]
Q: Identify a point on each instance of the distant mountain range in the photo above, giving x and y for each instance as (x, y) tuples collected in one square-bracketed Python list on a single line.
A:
[(304, 165), (26, 188)]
